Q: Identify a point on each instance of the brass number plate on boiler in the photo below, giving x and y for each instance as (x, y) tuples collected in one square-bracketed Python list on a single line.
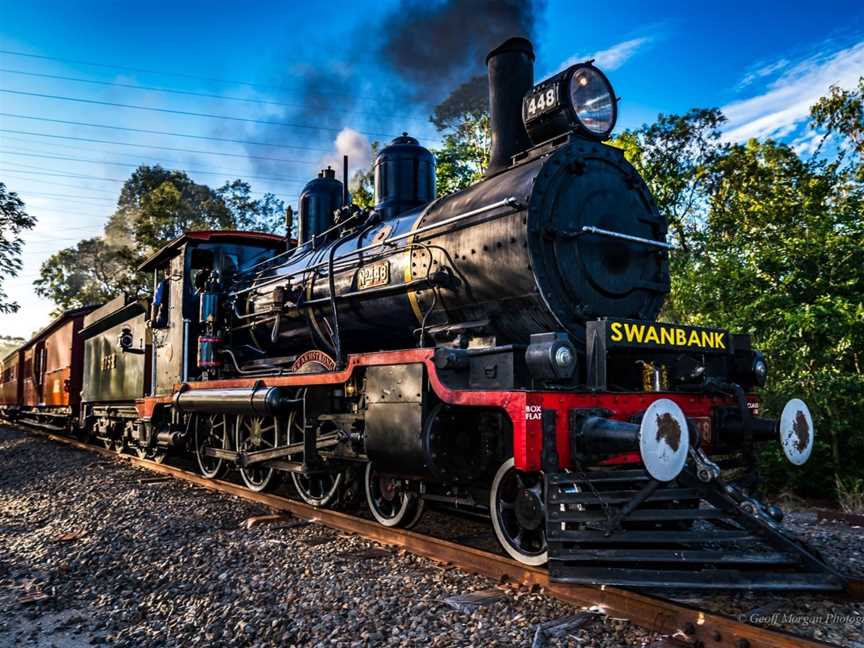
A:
[(377, 274)]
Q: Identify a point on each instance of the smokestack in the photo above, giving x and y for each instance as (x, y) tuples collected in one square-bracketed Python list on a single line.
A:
[(511, 76)]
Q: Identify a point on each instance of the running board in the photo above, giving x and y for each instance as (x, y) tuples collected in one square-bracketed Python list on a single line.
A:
[(687, 534)]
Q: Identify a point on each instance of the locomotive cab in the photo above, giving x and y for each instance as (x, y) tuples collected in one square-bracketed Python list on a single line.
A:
[(185, 316)]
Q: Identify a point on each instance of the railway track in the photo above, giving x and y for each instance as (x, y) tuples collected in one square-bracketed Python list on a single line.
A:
[(684, 625)]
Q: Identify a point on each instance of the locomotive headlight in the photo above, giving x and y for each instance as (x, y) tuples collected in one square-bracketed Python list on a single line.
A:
[(760, 370), (592, 100), (579, 99)]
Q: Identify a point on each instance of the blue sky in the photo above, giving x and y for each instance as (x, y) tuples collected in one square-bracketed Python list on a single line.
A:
[(763, 62)]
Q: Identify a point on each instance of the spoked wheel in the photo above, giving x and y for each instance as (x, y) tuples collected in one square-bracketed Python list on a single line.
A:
[(257, 433), (318, 489), (393, 502), (518, 514), (211, 431)]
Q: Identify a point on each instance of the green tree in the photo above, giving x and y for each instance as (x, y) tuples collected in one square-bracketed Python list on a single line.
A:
[(780, 255), (156, 205), (772, 244), (91, 272), (362, 183), (463, 120), (267, 214), (675, 155), (14, 219), (841, 113)]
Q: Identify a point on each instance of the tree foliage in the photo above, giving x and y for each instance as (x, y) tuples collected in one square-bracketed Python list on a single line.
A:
[(780, 256), (675, 155), (266, 214), (156, 205), (841, 113), (14, 219), (463, 121), (362, 183), (772, 244)]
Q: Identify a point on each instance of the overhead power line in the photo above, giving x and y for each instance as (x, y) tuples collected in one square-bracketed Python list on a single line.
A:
[(154, 147), (158, 132), (105, 197), (11, 174), (24, 195), (218, 172), (114, 66), (50, 241), (64, 175), (37, 171), (204, 95), (185, 75), (88, 177), (70, 213), (187, 113)]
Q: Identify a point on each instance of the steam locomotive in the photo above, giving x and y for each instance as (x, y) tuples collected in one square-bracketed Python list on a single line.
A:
[(495, 350)]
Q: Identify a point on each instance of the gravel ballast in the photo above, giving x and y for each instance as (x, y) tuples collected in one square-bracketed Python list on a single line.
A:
[(93, 552), (96, 551)]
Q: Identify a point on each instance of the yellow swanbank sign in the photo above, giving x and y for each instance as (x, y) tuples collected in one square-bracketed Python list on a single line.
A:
[(671, 335)]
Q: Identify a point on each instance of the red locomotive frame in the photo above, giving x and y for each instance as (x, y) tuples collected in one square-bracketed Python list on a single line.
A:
[(522, 407)]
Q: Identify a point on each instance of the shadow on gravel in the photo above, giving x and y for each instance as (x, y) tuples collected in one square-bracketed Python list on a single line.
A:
[(26, 463)]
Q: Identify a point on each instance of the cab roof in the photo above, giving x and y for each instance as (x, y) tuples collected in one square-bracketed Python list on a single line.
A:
[(262, 239)]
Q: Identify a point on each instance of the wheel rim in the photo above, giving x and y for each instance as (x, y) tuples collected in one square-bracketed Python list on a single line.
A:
[(257, 433), (317, 490), (519, 525), (211, 432), (390, 500)]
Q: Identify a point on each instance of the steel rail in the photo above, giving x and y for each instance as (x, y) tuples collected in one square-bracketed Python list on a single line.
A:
[(689, 625)]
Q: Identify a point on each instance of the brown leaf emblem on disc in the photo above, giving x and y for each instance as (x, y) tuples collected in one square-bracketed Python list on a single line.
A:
[(669, 430), (801, 429)]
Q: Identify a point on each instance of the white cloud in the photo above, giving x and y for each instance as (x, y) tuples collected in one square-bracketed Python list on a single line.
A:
[(613, 57), (353, 144), (807, 143), (763, 71), (786, 102)]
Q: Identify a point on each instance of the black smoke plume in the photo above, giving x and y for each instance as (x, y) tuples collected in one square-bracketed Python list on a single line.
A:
[(432, 47), (436, 46)]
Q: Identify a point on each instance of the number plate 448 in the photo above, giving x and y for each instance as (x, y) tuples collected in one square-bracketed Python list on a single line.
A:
[(540, 101), (377, 274)]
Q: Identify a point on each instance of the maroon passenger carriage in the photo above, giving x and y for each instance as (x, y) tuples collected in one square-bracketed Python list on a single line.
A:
[(495, 350)]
